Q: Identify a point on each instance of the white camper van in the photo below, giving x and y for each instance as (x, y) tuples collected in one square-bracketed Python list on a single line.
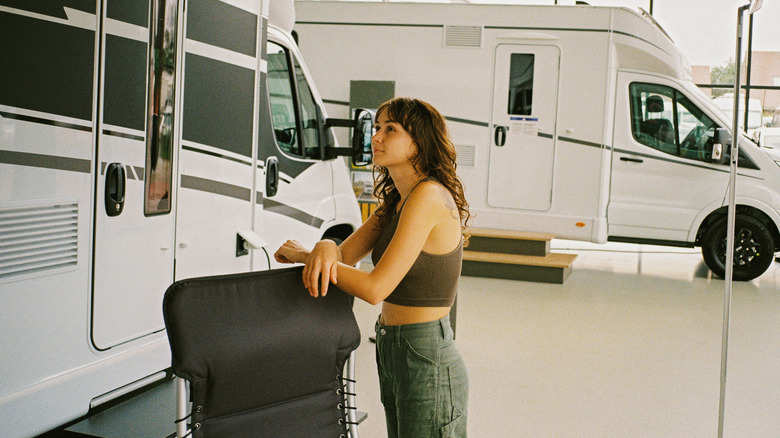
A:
[(141, 143), (579, 121)]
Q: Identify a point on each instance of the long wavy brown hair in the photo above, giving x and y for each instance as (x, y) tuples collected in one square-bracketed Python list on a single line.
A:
[(435, 156)]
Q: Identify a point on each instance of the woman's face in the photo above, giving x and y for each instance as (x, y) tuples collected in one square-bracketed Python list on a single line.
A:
[(391, 144)]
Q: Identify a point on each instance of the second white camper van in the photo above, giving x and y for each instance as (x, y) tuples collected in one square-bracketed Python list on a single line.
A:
[(579, 121)]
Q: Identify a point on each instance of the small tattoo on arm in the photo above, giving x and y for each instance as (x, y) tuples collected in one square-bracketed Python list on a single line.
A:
[(449, 202)]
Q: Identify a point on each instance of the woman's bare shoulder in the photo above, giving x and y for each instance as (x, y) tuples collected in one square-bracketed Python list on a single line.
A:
[(434, 196)]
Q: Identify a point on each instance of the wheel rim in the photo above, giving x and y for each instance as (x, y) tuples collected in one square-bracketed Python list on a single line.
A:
[(746, 248)]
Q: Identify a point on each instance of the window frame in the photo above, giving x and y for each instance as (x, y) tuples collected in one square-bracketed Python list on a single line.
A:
[(291, 60)]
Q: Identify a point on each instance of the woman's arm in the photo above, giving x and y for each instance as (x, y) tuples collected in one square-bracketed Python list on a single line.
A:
[(321, 260)]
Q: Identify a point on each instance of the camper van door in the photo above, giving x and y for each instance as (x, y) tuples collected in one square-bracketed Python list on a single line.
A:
[(134, 220), (525, 103), (662, 172)]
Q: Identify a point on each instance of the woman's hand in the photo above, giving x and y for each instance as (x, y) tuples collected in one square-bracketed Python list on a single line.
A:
[(321, 266), (291, 252)]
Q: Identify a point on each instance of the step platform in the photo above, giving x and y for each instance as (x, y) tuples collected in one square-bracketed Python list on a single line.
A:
[(514, 255)]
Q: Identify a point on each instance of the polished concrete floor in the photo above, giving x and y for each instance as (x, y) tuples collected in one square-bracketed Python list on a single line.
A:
[(628, 346)]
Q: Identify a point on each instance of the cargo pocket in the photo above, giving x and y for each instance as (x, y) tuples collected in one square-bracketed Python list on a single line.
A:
[(454, 429)]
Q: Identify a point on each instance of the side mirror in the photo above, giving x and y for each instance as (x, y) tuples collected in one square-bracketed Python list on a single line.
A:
[(360, 151), (722, 139), (361, 137)]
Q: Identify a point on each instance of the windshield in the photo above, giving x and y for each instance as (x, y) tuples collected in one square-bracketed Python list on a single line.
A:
[(754, 118), (772, 141)]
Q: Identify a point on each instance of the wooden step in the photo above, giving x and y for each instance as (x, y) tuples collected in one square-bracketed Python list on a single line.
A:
[(509, 242), (552, 268)]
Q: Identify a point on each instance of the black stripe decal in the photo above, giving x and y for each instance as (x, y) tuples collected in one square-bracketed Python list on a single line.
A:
[(218, 104), (46, 66), (45, 121), (133, 12), (216, 187), (123, 135), (291, 212), (52, 8), (46, 161), (205, 23)]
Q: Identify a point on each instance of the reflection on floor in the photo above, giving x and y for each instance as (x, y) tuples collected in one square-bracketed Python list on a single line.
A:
[(629, 346)]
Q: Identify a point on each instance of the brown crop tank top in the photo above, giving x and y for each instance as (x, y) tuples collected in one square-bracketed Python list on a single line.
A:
[(432, 281)]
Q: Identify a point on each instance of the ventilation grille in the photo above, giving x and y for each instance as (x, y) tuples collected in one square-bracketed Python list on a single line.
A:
[(466, 154), (463, 36), (36, 240)]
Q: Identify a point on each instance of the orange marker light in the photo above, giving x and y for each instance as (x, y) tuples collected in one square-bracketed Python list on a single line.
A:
[(580, 224)]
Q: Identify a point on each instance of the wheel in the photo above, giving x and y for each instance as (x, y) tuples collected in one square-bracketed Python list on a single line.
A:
[(754, 248)]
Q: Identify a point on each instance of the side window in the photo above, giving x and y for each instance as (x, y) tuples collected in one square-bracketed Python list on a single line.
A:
[(521, 84), (293, 109), (283, 113), (309, 115), (160, 104), (664, 119)]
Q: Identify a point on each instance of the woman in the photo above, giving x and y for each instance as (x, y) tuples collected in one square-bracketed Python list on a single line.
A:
[(415, 236)]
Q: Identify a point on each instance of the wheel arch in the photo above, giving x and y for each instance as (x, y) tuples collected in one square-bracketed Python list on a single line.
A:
[(749, 210), (338, 231)]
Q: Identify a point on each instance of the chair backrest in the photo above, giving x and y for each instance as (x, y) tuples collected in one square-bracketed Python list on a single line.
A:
[(263, 358)]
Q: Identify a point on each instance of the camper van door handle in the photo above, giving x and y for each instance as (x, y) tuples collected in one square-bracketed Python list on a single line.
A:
[(115, 189), (633, 160), (271, 176), (499, 135)]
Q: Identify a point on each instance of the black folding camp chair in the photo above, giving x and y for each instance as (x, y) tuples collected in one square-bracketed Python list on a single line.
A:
[(262, 358)]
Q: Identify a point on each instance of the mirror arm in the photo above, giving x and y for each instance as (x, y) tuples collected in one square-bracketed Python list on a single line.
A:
[(341, 123), (333, 152)]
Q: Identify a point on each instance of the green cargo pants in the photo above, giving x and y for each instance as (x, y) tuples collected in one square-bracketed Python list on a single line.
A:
[(423, 380)]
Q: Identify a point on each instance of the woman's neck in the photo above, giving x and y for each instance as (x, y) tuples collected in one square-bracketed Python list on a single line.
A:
[(405, 180)]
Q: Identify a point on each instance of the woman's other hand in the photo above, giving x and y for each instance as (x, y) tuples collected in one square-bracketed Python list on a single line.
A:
[(291, 252), (321, 267)]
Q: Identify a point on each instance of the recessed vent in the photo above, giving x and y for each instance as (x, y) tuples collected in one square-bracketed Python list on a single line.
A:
[(37, 240), (463, 36), (466, 155)]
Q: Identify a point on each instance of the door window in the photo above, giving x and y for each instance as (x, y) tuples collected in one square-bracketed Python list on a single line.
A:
[(521, 84), (666, 120), (293, 109), (159, 127)]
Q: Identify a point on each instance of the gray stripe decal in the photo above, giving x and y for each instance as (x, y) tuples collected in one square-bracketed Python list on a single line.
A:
[(46, 161), (294, 213), (700, 166), (122, 135), (338, 102), (45, 121), (486, 27), (216, 187), (218, 155), (372, 24), (466, 121)]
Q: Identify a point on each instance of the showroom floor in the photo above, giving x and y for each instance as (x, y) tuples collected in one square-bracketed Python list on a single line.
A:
[(629, 346)]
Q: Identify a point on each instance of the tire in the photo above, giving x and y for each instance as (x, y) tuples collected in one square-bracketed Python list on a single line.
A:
[(754, 248)]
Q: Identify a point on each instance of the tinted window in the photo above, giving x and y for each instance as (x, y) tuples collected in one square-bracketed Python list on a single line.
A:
[(521, 84), (159, 127), (666, 120)]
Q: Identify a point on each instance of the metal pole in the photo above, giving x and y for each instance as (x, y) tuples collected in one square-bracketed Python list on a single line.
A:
[(747, 72), (730, 225), (651, 7)]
